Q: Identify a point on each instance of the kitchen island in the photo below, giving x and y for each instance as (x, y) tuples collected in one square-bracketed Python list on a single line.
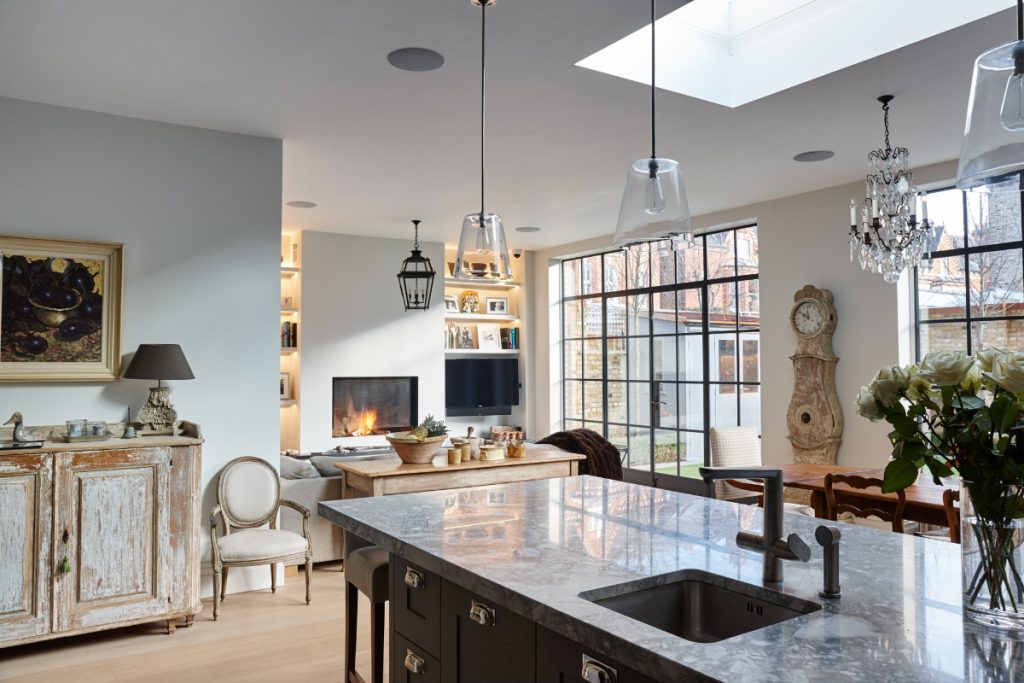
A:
[(503, 583)]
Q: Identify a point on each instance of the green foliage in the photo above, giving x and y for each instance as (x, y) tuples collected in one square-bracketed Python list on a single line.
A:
[(433, 426)]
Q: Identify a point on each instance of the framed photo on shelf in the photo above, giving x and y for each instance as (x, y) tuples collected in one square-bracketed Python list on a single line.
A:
[(497, 305), (489, 337), (286, 386), (60, 310), (451, 303)]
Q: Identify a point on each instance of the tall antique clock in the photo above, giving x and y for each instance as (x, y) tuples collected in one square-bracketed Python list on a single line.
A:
[(814, 419)]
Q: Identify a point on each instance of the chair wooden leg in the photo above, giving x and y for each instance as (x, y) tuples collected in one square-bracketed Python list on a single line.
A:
[(273, 578), (351, 619), (224, 585), (309, 575), (377, 646), (216, 591)]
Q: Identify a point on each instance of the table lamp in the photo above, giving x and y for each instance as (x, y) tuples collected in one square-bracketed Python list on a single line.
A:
[(159, 362)]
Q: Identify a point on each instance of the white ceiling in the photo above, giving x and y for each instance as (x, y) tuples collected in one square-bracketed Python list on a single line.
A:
[(375, 147)]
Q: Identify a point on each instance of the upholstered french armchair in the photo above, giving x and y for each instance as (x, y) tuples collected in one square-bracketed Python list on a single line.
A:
[(248, 497)]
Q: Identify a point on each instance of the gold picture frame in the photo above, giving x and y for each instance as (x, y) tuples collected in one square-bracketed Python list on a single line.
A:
[(60, 310)]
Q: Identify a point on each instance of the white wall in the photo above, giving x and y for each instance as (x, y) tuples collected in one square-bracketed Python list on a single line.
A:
[(354, 325), (199, 213), (802, 241)]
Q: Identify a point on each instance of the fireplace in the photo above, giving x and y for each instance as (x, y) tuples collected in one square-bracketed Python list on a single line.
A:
[(364, 406)]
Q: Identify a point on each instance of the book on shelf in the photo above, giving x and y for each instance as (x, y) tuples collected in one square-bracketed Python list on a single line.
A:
[(510, 338), (289, 335)]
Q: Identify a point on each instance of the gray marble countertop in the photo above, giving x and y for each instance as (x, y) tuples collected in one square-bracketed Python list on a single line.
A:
[(533, 547)]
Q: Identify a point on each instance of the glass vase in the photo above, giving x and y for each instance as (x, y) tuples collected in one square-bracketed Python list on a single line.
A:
[(992, 546)]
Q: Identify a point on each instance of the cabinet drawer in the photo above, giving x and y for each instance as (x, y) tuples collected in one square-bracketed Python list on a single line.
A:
[(482, 641), (560, 660), (411, 664), (416, 604)]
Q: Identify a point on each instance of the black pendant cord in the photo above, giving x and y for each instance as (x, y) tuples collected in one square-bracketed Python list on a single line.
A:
[(885, 110), (483, 98), (653, 10), (416, 239), (1020, 19)]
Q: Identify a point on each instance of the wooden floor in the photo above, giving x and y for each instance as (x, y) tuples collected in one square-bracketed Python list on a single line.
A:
[(260, 637)]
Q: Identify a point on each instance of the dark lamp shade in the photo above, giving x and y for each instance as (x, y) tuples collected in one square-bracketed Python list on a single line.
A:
[(159, 361)]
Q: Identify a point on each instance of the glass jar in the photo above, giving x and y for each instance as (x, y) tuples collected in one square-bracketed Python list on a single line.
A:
[(76, 427), (96, 428), (992, 547)]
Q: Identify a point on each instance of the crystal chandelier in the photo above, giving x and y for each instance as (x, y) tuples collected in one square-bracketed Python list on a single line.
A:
[(654, 205), (483, 250), (887, 239)]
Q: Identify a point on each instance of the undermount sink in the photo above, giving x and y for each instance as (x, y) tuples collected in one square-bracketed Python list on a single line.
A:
[(700, 606)]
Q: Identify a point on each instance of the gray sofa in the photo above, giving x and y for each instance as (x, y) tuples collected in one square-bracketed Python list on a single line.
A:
[(307, 481)]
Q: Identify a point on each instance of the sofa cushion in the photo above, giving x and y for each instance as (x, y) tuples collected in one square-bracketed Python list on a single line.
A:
[(325, 464), (293, 468)]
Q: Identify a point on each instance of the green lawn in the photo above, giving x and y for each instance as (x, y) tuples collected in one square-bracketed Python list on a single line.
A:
[(685, 469)]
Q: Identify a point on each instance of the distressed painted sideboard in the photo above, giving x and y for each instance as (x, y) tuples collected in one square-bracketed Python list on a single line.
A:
[(98, 535)]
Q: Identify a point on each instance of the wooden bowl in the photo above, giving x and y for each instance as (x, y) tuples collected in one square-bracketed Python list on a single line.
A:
[(415, 452)]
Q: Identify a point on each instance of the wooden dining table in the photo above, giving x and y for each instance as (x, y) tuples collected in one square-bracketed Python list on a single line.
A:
[(923, 498)]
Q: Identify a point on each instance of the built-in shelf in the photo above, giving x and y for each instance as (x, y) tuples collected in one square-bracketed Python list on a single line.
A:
[(287, 402), (481, 317), (480, 352), (288, 310), (481, 283), (289, 271), (289, 350)]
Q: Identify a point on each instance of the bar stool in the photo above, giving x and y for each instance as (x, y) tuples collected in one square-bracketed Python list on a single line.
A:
[(366, 572)]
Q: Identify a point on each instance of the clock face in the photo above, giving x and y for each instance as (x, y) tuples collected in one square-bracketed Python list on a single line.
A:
[(808, 318)]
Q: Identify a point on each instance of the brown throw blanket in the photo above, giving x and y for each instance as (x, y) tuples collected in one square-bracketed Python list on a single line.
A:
[(603, 459)]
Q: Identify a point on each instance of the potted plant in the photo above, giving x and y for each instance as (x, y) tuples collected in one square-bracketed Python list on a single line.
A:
[(421, 444), (963, 416)]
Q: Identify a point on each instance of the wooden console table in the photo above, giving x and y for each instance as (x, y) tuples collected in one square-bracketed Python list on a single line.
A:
[(390, 476), (98, 535)]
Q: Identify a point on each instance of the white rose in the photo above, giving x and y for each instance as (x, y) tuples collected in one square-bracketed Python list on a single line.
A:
[(888, 383), (987, 356), (919, 388), (971, 383), (1008, 372), (867, 406), (946, 367)]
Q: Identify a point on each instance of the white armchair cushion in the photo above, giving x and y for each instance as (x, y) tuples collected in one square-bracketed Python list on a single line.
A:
[(734, 447), (249, 491), (258, 544)]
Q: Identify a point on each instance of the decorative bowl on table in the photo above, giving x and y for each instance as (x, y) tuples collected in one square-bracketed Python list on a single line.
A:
[(414, 451)]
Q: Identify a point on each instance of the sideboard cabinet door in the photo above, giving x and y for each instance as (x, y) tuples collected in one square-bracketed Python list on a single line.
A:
[(25, 535), (112, 525)]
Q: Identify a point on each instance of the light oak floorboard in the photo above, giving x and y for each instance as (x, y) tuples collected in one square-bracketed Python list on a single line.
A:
[(260, 637)]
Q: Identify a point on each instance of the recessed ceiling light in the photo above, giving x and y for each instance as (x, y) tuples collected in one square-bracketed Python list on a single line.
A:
[(415, 59), (301, 205), (815, 155), (527, 228)]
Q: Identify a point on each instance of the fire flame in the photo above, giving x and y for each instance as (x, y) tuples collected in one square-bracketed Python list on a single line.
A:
[(367, 423)]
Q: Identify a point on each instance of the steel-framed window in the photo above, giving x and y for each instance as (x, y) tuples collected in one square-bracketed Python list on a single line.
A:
[(969, 293), (659, 346)]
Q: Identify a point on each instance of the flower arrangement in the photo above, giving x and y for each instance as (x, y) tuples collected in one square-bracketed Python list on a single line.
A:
[(960, 415)]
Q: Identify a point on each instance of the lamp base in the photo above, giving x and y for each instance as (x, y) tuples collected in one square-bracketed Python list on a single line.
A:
[(158, 414)]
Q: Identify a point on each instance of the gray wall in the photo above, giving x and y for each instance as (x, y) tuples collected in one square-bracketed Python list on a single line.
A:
[(199, 213)]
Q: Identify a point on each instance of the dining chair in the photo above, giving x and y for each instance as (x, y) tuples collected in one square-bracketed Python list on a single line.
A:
[(951, 506), (741, 447), (864, 515), (248, 498)]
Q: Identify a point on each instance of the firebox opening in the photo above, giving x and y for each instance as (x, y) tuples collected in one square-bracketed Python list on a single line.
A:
[(365, 406)]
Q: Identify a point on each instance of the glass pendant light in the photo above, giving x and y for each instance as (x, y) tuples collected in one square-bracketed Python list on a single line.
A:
[(483, 251), (416, 279), (654, 205), (993, 145)]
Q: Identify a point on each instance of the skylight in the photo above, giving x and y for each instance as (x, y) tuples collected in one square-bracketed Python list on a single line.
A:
[(732, 52)]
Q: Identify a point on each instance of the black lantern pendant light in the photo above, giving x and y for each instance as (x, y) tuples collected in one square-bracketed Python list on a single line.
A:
[(416, 279)]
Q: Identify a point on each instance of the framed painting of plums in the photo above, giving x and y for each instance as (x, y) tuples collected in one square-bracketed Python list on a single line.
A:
[(60, 310)]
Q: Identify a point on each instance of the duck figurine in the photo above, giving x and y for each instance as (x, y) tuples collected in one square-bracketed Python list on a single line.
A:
[(20, 434)]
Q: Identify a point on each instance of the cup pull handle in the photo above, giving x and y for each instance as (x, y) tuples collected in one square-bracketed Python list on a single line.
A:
[(594, 671), (414, 663), (481, 613), (413, 578)]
